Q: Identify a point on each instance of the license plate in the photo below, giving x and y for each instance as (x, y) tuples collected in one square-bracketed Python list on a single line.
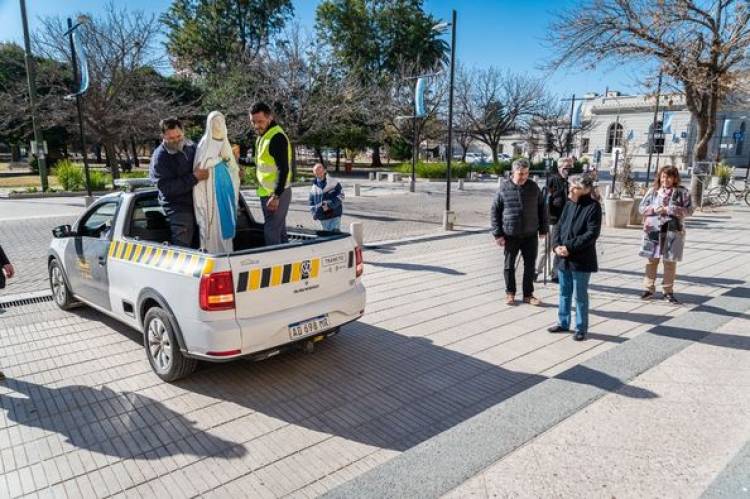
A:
[(309, 326)]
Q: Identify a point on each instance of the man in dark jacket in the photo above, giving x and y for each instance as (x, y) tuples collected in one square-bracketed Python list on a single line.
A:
[(6, 271), (518, 218), (557, 195), (325, 199), (171, 169)]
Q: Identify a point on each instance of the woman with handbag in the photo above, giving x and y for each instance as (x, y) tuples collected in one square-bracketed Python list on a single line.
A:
[(664, 208)]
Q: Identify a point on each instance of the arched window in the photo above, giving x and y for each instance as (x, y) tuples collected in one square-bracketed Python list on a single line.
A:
[(614, 136), (740, 141), (656, 138)]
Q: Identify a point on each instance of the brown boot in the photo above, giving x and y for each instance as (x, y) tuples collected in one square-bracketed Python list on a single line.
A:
[(532, 300)]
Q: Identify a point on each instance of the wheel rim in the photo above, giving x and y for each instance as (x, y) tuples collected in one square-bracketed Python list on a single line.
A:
[(58, 286), (159, 346)]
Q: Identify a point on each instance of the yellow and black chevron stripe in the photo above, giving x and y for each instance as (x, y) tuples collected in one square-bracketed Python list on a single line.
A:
[(163, 258), (269, 277)]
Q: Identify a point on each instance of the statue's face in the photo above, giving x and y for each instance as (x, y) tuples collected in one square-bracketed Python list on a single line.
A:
[(218, 128)]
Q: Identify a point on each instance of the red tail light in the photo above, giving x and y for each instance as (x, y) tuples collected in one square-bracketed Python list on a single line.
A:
[(217, 291), (359, 260)]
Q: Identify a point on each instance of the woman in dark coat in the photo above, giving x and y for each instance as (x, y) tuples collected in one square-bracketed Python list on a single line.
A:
[(575, 243)]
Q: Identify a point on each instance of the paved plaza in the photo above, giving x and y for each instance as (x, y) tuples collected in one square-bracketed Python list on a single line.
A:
[(441, 389)]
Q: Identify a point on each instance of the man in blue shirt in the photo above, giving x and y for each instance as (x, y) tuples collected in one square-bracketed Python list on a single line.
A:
[(171, 169)]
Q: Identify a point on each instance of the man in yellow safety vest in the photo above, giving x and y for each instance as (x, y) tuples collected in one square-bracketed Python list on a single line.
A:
[(273, 163)]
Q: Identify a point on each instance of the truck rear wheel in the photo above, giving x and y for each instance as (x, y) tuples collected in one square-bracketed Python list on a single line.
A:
[(162, 349)]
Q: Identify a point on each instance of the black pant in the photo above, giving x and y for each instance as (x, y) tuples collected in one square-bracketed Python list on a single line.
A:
[(182, 227), (528, 248)]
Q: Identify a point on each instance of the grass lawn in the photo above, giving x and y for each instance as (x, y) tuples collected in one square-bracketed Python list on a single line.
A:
[(26, 181)]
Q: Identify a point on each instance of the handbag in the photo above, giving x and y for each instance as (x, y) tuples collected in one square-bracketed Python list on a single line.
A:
[(674, 224)]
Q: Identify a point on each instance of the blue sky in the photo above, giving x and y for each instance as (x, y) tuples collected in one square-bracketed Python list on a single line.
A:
[(507, 34)]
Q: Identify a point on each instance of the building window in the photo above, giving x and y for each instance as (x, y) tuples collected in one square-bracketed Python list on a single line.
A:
[(741, 141), (656, 138), (614, 136), (584, 146)]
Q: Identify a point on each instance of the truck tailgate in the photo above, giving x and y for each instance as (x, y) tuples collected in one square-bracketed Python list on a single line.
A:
[(293, 276)]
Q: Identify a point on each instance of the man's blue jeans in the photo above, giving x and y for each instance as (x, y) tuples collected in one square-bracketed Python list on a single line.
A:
[(571, 281)]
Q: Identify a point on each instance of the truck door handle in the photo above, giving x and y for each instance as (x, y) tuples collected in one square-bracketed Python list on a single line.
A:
[(102, 261)]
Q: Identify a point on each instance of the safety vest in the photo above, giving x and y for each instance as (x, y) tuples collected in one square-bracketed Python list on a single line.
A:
[(265, 166)]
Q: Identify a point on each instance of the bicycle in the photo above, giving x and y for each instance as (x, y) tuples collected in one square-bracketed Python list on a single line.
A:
[(721, 194)]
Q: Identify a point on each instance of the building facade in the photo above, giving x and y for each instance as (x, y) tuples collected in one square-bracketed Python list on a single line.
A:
[(624, 122)]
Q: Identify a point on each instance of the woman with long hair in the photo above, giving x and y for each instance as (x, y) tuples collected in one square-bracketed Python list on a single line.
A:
[(664, 208)]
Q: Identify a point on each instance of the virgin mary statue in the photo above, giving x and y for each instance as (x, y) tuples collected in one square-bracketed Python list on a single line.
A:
[(216, 198)]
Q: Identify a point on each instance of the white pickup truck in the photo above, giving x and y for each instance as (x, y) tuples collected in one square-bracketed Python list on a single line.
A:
[(191, 306)]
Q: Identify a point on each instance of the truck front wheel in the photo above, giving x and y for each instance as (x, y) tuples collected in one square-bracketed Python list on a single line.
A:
[(162, 349)]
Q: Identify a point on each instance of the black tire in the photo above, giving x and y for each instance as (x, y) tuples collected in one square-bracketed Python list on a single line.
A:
[(162, 349), (58, 285), (718, 196)]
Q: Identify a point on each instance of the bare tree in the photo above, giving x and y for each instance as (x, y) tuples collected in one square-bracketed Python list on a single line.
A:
[(550, 126), (125, 94), (701, 45), (496, 103)]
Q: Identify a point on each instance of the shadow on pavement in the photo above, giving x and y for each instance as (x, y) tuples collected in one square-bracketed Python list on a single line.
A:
[(367, 384), (685, 298), (123, 424), (705, 281), (416, 267), (725, 340), (376, 387)]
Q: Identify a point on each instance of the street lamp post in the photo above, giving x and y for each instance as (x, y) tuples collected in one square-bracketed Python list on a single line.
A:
[(38, 149), (79, 107), (448, 215)]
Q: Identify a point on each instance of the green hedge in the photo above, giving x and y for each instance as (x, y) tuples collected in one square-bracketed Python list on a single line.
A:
[(436, 170)]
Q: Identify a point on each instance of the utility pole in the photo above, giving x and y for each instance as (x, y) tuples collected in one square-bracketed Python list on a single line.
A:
[(652, 145), (31, 77), (448, 217)]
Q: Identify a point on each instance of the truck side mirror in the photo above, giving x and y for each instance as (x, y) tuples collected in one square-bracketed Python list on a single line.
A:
[(62, 231)]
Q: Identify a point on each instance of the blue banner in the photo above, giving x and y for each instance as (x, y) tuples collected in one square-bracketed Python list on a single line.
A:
[(419, 109), (83, 65), (666, 123), (577, 115)]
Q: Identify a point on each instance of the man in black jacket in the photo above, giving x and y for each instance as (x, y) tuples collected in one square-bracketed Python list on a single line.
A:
[(518, 218), (171, 169), (6, 270), (557, 195)]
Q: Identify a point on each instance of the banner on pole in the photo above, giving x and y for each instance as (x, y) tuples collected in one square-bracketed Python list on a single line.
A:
[(83, 66), (419, 109)]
